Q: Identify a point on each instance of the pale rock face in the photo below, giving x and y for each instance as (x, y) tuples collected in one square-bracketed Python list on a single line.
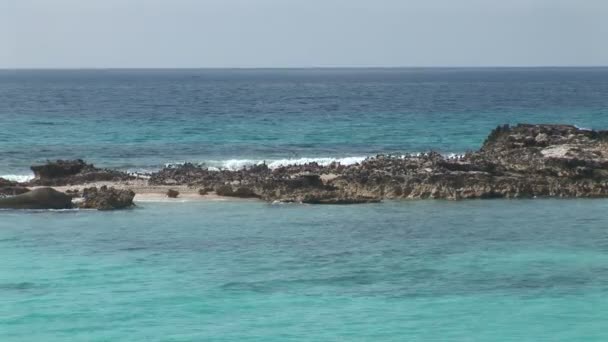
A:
[(556, 151)]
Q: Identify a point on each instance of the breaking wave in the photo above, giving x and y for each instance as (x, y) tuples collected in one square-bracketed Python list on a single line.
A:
[(18, 178)]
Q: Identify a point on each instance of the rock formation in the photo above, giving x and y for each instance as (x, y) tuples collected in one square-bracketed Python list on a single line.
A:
[(106, 198), (70, 172), (523, 161), (10, 188)]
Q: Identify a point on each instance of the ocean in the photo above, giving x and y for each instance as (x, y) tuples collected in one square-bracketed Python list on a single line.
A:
[(241, 270)]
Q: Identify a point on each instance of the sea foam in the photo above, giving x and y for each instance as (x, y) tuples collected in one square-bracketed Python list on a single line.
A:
[(18, 178), (238, 164)]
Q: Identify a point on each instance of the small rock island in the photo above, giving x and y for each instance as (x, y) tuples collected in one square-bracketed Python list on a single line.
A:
[(522, 161)]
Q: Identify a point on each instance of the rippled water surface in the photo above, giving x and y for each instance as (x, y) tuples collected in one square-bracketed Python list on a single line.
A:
[(142, 119), (525, 270), (477, 271)]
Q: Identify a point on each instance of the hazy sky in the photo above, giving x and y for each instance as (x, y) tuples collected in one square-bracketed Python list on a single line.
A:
[(301, 33)]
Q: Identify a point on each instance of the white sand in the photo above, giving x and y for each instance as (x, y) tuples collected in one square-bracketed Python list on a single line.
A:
[(154, 193)]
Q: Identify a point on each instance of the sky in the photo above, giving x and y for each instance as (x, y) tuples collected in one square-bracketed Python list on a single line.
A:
[(301, 33)]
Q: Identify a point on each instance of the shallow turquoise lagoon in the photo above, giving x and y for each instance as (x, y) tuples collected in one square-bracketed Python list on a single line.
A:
[(496, 270)]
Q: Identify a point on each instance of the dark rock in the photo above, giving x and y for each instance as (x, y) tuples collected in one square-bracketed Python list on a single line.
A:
[(305, 181), (238, 191), (73, 172), (244, 192), (522, 161), (172, 193), (74, 193), (331, 198), (224, 190), (43, 198), (60, 168), (10, 188), (106, 198)]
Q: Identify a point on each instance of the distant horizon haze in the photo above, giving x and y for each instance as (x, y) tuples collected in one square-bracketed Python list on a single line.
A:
[(244, 34), (304, 68)]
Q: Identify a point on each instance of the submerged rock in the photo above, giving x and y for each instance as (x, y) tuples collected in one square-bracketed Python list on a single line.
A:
[(106, 198), (43, 198)]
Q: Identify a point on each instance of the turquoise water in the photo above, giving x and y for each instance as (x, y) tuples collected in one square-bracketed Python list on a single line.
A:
[(142, 119), (528, 270)]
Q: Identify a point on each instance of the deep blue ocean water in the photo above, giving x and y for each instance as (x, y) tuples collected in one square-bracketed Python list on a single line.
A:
[(142, 119), (495, 270)]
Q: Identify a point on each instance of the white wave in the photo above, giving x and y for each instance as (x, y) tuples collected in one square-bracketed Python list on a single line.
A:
[(583, 128), (238, 164), (454, 155), (18, 178)]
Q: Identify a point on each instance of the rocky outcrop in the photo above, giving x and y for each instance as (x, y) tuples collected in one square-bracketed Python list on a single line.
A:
[(43, 198), (105, 198), (72, 172), (522, 161), (172, 193), (10, 188)]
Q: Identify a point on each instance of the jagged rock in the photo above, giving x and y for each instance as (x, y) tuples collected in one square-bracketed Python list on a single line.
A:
[(72, 172), (74, 193), (60, 168), (172, 193), (43, 198), (10, 188), (106, 198), (239, 191), (522, 161), (204, 191)]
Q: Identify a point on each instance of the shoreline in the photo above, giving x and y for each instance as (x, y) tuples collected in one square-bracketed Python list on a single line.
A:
[(151, 193), (523, 161)]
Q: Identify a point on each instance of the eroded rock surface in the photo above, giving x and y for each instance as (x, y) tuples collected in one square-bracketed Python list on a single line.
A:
[(71, 172), (514, 162), (105, 198), (10, 188)]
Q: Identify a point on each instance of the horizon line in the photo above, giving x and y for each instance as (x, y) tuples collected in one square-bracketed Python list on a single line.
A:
[(306, 68)]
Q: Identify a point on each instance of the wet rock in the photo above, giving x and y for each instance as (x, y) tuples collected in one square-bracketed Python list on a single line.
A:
[(74, 193), (43, 198), (73, 172), (237, 191), (172, 193), (60, 168), (204, 191), (522, 161), (106, 198), (10, 188), (337, 198)]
